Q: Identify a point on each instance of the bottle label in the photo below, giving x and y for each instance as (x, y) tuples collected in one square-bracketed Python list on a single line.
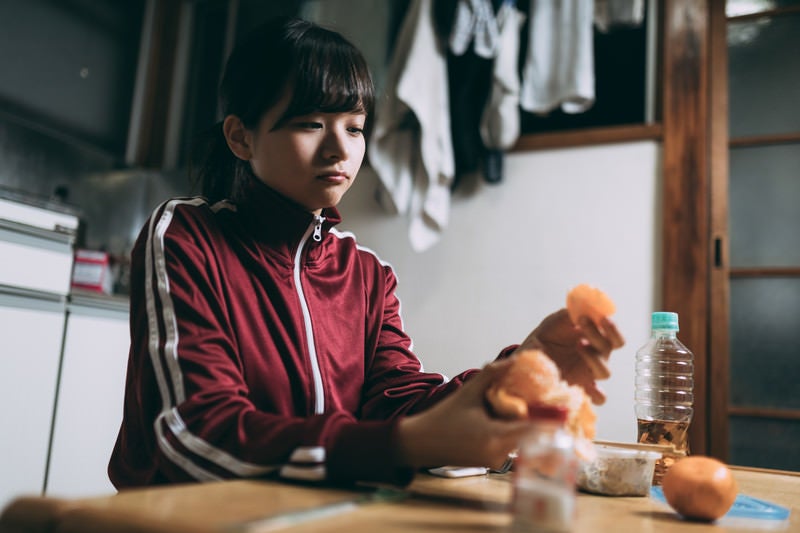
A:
[(543, 505)]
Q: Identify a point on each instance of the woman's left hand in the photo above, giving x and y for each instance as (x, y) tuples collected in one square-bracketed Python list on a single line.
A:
[(580, 351)]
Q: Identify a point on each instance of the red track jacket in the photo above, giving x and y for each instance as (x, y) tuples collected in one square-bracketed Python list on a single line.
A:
[(263, 341)]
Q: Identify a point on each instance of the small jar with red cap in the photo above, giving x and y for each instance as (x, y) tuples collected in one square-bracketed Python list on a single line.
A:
[(545, 474)]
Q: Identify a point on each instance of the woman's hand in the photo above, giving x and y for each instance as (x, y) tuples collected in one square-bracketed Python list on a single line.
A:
[(581, 352), (459, 430)]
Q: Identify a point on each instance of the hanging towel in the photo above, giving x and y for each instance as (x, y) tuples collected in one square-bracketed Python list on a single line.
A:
[(410, 149), (559, 62), (500, 119)]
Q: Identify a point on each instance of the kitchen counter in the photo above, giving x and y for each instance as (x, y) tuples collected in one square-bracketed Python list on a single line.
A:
[(428, 504), (99, 301)]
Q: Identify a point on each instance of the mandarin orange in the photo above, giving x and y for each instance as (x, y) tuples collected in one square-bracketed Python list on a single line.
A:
[(533, 379), (699, 487)]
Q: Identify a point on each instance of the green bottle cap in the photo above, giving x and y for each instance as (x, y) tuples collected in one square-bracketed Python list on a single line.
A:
[(665, 320)]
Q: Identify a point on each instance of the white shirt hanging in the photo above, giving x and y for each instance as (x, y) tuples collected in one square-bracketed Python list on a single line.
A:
[(559, 61)]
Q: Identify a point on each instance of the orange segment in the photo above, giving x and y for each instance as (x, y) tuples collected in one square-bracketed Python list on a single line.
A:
[(505, 404)]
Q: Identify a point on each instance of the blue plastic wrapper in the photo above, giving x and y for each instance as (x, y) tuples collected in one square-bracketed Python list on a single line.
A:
[(744, 508)]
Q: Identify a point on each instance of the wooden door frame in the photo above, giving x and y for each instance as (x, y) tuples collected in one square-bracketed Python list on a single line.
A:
[(694, 203), (717, 439)]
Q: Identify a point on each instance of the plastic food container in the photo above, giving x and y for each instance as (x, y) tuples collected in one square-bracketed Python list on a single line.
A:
[(618, 471)]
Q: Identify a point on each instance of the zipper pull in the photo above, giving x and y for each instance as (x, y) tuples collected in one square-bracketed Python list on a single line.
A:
[(318, 220)]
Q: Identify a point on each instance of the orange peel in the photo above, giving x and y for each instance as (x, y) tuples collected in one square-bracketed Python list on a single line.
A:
[(585, 300)]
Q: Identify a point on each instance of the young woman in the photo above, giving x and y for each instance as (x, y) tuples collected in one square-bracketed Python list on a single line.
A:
[(266, 342)]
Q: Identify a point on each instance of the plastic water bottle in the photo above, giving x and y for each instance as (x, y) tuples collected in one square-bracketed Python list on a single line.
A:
[(545, 472), (664, 383)]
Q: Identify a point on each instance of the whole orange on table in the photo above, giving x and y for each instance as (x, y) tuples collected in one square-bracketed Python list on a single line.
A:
[(700, 487)]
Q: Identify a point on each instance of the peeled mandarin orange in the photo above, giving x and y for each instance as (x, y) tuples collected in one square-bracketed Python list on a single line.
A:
[(699, 487), (529, 380), (534, 379)]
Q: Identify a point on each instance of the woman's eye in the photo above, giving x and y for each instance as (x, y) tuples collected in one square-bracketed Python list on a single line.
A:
[(309, 125), (356, 130)]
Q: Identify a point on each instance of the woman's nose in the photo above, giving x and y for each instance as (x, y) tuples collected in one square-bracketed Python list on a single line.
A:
[(335, 145)]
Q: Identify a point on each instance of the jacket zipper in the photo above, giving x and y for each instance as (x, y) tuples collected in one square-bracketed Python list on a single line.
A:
[(315, 229)]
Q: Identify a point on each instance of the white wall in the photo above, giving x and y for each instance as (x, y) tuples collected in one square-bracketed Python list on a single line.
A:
[(513, 250)]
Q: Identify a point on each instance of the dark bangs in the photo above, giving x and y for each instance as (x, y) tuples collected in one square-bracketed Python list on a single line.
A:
[(329, 75)]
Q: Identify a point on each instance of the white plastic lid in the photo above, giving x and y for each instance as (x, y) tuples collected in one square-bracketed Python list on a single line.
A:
[(604, 450)]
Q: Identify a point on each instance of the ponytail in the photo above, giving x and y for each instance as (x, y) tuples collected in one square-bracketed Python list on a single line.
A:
[(213, 169)]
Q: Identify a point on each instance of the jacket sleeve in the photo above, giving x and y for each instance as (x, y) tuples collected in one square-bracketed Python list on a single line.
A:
[(187, 414)]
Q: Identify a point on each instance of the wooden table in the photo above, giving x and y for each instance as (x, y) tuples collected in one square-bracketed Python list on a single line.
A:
[(429, 504)]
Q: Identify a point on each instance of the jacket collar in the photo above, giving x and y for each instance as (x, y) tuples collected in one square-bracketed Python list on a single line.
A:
[(274, 218)]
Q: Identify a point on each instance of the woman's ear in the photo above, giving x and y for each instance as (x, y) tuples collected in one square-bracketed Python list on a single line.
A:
[(238, 137)]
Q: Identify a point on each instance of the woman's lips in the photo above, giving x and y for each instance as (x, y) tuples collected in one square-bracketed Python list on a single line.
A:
[(333, 178)]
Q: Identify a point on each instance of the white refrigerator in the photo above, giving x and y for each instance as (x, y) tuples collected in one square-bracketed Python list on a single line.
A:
[(36, 258)]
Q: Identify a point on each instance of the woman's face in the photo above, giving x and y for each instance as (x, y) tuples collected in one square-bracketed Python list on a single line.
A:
[(312, 159)]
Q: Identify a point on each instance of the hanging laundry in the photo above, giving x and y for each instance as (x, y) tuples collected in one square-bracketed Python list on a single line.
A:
[(469, 78), (559, 62), (474, 21), (470, 82), (609, 14), (410, 148), (499, 126), (500, 121)]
